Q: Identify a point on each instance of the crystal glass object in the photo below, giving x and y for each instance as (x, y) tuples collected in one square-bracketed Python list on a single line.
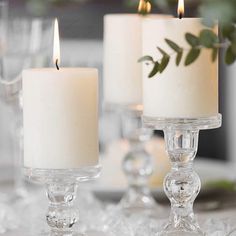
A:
[(8, 219), (182, 184), (27, 44), (61, 187), (3, 25), (137, 164)]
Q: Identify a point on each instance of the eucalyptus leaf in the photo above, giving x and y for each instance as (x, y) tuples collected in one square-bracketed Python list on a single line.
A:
[(173, 45), (145, 58), (214, 54), (162, 52), (192, 39), (208, 38), (179, 57), (213, 11), (164, 62), (230, 56), (192, 56), (155, 70)]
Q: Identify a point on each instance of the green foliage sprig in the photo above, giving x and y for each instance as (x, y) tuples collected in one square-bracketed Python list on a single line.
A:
[(211, 11), (206, 39)]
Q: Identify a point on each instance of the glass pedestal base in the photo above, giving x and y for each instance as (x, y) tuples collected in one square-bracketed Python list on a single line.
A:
[(182, 184), (61, 188)]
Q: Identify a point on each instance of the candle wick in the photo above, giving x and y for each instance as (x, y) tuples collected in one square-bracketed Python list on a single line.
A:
[(180, 15), (57, 64)]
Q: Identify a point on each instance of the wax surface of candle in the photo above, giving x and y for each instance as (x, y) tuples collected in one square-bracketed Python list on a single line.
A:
[(60, 116), (122, 48), (184, 91)]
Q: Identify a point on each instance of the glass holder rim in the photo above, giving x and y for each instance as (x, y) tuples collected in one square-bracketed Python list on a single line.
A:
[(40, 175), (198, 123)]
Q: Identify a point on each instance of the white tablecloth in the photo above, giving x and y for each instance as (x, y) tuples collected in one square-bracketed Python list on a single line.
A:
[(218, 216)]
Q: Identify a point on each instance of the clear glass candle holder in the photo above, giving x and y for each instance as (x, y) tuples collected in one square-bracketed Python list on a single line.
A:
[(61, 188), (182, 184), (137, 164)]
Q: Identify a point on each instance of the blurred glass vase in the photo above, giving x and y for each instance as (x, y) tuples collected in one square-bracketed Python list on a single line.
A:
[(27, 43), (137, 164)]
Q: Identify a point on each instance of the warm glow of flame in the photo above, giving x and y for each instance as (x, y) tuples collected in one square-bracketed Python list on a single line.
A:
[(144, 6), (148, 7), (56, 44), (141, 5), (180, 10)]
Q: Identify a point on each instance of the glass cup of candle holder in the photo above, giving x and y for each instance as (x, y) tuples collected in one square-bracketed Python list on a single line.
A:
[(61, 187), (182, 184), (137, 164), (27, 44)]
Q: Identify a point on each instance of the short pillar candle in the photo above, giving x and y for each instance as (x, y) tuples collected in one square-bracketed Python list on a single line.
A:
[(60, 118)]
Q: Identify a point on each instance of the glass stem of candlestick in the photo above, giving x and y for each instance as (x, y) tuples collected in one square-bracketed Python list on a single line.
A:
[(61, 215), (61, 187), (138, 167), (182, 184)]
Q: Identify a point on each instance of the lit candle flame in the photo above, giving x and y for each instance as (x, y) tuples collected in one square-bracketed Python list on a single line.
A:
[(56, 45), (180, 10), (144, 7), (148, 7)]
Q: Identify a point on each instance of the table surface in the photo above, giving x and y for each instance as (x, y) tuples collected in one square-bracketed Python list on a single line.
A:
[(218, 215), (33, 211), (203, 216)]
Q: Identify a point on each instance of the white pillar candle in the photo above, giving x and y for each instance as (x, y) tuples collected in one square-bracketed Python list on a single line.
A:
[(60, 116), (122, 48), (184, 91)]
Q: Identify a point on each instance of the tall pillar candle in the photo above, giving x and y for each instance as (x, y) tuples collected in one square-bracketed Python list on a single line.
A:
[(60, 117), (122, 48), (183, 91)]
